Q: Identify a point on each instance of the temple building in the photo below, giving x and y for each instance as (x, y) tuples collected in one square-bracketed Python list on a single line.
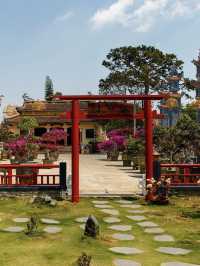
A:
[(171, 107), (196, 85), (51, 115)]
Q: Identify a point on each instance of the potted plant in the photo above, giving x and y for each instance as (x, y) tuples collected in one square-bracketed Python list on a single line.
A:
[(133, 152), (50, 144), (22, 151), (113, 145)]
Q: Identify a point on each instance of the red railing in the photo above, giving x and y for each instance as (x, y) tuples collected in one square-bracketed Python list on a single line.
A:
[(9, 179), (182, 174)]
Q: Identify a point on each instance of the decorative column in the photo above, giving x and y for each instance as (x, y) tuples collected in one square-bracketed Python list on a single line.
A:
[(75, 150), (149, 139)]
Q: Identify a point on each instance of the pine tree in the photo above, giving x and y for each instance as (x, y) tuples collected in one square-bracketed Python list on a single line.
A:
[(49, 92)]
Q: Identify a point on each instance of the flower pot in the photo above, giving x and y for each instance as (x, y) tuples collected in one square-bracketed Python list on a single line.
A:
[(113, 156), (127, 159)]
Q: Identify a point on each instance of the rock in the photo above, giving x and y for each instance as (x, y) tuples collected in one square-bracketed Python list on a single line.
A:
[(147, 224), (131, 206), (91, 227), (81, 219), (176, 263), (164, 238), (49, 221), (123, 236), (53, 203), (82, 226), (173, 251), (47, 199), (136, 218), (21, 220), (110, 211), (14, 229), (120, 227), (126, 250), (111, 220), (154, 230), (136, 211), (101, 206), (119, 262), (52, 229)]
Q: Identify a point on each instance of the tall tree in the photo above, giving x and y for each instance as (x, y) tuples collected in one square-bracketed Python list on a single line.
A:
[(49, 91), (140, 69), (180, 141)]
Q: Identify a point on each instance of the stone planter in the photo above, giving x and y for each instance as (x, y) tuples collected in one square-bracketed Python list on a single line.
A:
[(127, 159), (113, 156)]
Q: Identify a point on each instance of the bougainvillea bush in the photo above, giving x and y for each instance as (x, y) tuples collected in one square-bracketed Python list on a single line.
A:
[(22, 149)]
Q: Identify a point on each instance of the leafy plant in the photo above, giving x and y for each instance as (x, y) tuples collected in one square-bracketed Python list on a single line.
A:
[(32, 225), (84, 260), (27, 124)]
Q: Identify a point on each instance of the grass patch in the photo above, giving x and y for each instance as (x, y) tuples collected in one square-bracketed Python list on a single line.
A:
[(179, 219)]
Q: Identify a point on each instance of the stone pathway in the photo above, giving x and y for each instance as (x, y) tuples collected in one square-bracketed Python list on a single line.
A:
[(120, 227), (21, 220), (110, 211), (111, 220), (100, 201), (154, 230), (136, 218), (126, 250), (173, 251), (119, 262), (140, 220), (164, 238), (14, 229), (52, 229), (123, 237), (49, 221)]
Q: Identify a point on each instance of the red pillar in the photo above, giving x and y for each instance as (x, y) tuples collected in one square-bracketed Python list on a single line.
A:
[(149, 139), (75, 150)]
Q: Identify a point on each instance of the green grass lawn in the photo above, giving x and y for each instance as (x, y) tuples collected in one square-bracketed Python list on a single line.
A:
[(180, 219)]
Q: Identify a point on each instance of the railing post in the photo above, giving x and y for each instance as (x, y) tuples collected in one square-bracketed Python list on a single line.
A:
[(186, 172), (63, 176), (9, 176)]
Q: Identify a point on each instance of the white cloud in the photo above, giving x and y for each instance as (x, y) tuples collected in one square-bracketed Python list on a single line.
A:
[(64, 17), (142, 15), (116, 13)]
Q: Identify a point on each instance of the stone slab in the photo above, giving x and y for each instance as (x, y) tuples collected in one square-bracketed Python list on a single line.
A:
[(49, 221), (164, 238), (81, 219), (100, 201), (14, 229), (131, 206), (136, 217), (124, 201), (119, 262), (154, 230), (21, 220), (176, 263), (124, 237), (102, 206), (173, 251), (110, 211), (52, 229), (136, 211), (126, 250), (147, 224), (111, 220), (120, 227)]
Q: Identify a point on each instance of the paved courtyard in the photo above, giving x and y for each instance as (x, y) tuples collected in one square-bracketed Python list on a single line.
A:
[(99, 176)]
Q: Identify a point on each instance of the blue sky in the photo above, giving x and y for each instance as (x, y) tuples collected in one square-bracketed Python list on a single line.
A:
[(68, 39)]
